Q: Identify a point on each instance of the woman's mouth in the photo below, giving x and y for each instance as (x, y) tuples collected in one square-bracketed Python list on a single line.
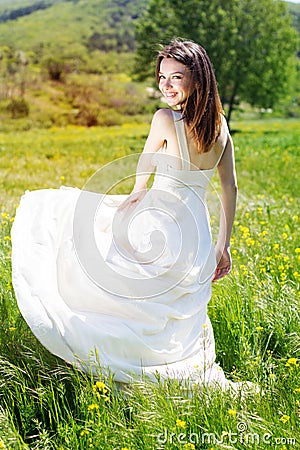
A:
[(170, 94)]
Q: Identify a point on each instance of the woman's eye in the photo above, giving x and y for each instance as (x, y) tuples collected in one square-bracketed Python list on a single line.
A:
[(161, 77)]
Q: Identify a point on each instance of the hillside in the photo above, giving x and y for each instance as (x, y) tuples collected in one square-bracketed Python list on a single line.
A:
[(65, 61), (69, 27), (70, 61)]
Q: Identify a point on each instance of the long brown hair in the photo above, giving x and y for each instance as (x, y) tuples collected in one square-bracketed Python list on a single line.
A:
[(202, 110)]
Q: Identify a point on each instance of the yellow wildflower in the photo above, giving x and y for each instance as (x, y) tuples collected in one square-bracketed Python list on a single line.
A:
[(124, 448), (292, 362), (232, 412), (244, 269), (180, 423), (245, 231), (284, 418), (2, 445), (297, 250), (100, 386), (189, 446), (84, 432), (263, 233), (259, 328), (93, 406), (297, 390)]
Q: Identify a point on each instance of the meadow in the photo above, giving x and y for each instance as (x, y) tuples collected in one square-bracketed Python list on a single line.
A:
[(47, 404)]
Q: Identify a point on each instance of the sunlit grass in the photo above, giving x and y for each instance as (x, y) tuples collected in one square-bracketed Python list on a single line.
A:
[(45, 404)]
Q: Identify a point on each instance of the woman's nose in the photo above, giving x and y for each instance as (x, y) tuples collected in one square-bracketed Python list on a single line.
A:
[(168, 82)]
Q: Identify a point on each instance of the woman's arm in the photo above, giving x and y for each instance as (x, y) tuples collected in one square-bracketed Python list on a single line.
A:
[(227, 175), (154, 142)]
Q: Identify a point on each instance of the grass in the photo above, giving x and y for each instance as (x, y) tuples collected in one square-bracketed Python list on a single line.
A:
[(46, 404)]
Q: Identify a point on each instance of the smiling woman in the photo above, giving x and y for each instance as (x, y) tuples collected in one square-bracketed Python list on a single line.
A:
[(126, 279)]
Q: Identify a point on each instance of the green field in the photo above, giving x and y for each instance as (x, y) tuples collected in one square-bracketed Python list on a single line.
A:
[(46, 404)]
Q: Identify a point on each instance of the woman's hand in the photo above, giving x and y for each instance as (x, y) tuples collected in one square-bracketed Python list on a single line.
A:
[(223, 263), (133, 199)]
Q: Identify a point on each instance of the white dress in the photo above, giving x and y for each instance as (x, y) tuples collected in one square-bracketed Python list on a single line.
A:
[(126, 290)]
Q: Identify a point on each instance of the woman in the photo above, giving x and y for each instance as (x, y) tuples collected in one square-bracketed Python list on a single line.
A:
[(125, 280)]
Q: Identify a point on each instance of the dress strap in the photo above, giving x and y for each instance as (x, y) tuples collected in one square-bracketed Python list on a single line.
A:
[(182, 142), (220, 157)]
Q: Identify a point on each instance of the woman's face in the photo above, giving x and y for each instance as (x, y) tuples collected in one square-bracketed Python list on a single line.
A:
[(174, 81)]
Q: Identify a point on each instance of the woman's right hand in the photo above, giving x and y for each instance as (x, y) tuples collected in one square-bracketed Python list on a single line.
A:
[(133, 199)]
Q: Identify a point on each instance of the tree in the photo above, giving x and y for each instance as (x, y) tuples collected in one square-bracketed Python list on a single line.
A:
[(251, 44)]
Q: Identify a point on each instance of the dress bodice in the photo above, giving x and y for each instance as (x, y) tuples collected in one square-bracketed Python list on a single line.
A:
[(166, 173)]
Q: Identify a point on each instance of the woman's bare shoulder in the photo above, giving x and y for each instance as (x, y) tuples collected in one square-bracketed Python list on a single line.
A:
[(163, 122), (163, 115)]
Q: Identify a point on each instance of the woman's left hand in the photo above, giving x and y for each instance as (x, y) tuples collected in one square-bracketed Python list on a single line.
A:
[(223, 264)]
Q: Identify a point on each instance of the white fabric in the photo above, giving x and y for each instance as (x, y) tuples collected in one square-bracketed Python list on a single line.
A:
[(126, 289)]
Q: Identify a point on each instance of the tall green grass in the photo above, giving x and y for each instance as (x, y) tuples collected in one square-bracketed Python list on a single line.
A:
[(46, 404)]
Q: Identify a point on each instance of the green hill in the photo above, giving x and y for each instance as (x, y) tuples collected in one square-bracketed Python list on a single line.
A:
[(65, 61), (74, 28), (70, 61), (69, 28)]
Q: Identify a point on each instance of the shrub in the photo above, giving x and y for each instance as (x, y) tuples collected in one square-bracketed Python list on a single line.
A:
[(55, 68), (18, 107)]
